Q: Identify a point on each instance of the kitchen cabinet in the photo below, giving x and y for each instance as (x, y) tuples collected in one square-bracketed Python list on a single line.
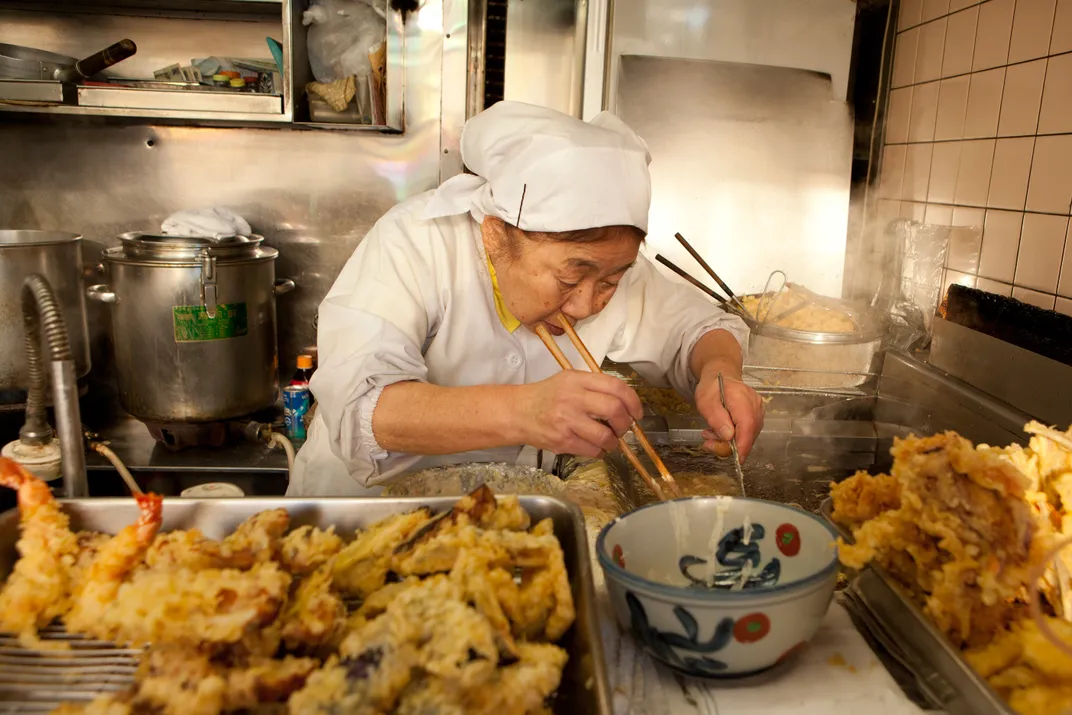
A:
[(170, 32)]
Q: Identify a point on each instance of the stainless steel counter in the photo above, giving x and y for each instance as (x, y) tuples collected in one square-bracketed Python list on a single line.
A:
[(133, 444), (257, 469)]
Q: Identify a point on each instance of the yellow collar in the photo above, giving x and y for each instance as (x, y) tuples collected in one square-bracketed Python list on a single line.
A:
[(505, 316)]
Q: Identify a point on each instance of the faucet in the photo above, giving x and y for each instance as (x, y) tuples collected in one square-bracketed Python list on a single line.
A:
[(41, 312)]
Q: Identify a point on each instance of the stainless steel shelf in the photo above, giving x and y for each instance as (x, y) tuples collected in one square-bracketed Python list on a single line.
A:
[(210, 107), (153, 8)]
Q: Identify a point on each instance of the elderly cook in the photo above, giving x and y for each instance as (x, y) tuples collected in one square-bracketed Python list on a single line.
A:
[(426, 344)]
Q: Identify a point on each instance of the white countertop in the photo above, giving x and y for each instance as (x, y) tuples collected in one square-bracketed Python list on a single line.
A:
[(837, 674)]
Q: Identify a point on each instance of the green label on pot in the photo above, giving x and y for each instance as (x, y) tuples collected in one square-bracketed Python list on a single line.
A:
[(193, 324)]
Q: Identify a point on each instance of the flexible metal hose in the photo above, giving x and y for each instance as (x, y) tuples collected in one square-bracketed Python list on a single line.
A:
[(40, 309), (43, 318)]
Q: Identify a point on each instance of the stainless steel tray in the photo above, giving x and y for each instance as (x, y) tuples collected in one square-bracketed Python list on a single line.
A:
[(898, 623), (33, 681)]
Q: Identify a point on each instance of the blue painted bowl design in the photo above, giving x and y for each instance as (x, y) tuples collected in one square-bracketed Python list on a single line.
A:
[(719, 587)]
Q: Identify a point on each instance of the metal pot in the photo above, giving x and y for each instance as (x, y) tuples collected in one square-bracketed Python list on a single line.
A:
[(17, 62), (58, 257), (194, 325)]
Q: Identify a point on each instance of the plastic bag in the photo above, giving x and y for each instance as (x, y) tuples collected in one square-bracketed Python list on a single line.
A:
[(912, 299), (340, 35)]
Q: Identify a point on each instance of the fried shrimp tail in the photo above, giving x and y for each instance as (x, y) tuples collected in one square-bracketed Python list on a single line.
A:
[(38, 589), (115, 560)]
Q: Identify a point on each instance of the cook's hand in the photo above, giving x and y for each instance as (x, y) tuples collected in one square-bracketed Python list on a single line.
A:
[(745, 417), (562, 413)]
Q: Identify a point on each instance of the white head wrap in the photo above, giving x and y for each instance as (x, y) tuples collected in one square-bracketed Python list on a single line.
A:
[(575, 175)]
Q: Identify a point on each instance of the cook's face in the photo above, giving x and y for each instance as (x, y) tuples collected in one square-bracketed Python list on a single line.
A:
[(539, 278)]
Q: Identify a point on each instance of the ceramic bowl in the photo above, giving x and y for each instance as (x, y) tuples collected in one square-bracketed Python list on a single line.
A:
[(719, 587)]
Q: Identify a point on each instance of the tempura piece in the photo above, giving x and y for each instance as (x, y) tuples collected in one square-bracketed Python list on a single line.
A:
[(428, 628), (315, 614), (89, 545), (963, 519), (184, 549), (361, 568), (212, 606), (185, 681), (1026, 669), (485, 563), (257, 540), (522, 688), (114, 561), (306, 548), (110, 704), (862, 497), (39, 587)]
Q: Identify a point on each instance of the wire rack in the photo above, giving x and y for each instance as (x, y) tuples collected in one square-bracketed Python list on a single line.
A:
[(37, 681)]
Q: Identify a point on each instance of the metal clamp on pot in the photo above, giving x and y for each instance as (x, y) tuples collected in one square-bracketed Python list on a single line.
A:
[(194, 325), (208, 283)]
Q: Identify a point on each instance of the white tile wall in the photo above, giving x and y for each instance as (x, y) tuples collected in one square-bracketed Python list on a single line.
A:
[(1012, 167), (992, 37), (979, 137), (1061, 41), (960, 42), (952, 103), (945, 161), (1057, 97), (1031, 27), (1020, 100)]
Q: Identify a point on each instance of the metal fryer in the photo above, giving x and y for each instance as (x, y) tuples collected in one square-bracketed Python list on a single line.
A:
[(36, 681)]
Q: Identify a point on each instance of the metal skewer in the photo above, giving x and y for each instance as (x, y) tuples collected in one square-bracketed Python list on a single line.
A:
[(733, 441)]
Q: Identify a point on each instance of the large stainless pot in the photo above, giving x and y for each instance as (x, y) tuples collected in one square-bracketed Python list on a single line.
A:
[(58, 257), (194, 326)]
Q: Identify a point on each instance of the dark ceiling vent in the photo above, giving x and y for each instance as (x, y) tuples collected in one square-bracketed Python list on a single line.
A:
[(495, 52)]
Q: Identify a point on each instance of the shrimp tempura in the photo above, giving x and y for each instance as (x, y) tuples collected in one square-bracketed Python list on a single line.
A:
[(113, 563), (38, 589)]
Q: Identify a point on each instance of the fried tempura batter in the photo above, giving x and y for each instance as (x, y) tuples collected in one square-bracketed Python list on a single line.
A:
[(183, 681), (39, 588), (307, 548), (361, 568), (455, 611), (963, 527), (315, 614), (213, 606), (115, 559), (961, 517)]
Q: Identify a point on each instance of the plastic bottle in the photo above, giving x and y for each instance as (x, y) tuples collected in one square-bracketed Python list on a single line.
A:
[(304, 371)]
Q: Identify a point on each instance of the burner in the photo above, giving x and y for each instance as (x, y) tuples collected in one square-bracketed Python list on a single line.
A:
[(178, 435)]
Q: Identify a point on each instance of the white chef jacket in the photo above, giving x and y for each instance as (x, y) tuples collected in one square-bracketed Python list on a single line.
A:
[(415, 302)]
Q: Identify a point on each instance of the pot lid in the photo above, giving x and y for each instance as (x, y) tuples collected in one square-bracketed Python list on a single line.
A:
[(169, 249)]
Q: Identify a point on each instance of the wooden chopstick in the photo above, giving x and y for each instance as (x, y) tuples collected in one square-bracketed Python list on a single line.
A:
[(681, 272), (711, 272), (565, 364), (590, 361)]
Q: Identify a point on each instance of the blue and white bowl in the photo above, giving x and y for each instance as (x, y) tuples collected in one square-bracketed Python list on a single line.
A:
[(719, 587)]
